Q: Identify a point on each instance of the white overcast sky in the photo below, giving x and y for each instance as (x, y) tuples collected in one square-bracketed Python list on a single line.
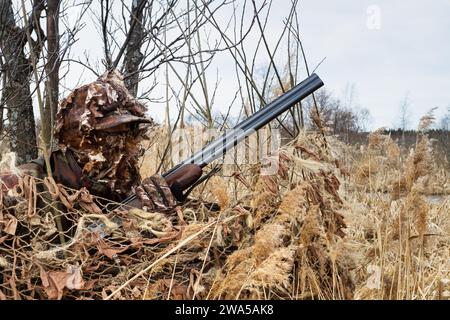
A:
[(388, 49), (408, 53)]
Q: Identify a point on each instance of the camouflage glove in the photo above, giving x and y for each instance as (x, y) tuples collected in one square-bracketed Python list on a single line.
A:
[(155, 194)]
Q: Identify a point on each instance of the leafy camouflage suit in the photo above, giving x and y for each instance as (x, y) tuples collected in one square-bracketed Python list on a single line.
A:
[(99, 129)]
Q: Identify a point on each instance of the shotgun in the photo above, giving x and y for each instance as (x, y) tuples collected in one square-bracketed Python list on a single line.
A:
[(189, 173)]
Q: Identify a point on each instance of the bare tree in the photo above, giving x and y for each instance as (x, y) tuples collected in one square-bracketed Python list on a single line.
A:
[(134, 56), (349, 96), (51, 70), (17, 67), (364, 118), (350, 103), (445, 121), (182, 37), (2, 95), (404, 114), (338, 118)]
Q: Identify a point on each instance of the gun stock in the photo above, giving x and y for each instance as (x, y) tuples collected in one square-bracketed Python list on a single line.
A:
[(181, 179)]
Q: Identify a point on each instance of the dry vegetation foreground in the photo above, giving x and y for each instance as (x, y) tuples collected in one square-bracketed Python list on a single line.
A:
[(336, 222)]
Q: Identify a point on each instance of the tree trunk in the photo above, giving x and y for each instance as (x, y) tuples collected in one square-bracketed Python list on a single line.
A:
[(52, 71), (134, 56), (17, 95), (2, 99)]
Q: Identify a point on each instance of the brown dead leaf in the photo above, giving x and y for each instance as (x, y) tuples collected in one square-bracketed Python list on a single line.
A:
[(179, 291), (128, 224), (3, 239), (54, 282), (91, 208), (66, 198), (109, 251), (160, 290), (75, 279), (10, 225)]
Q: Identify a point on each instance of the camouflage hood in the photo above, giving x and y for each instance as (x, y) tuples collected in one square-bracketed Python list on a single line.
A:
[(103, 125), (104, 105)]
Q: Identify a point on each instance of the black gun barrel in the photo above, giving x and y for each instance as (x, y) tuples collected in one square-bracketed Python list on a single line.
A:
[(228, 140)]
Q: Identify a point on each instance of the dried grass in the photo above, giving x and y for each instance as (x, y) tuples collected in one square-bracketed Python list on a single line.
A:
[(336, 224), (397, 216)]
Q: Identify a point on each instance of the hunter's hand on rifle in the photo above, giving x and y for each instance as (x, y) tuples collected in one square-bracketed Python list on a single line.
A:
[(155, 195), (158, 193)]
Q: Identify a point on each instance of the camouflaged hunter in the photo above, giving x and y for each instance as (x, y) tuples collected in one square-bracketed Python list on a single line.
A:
[(99, 130)]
